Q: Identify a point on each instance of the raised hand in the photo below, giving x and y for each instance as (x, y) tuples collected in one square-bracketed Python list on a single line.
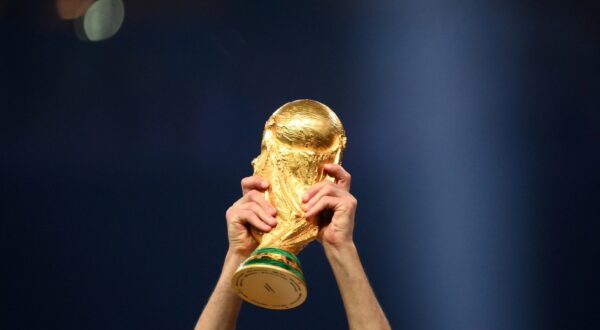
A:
[(250, 210), (334, 196)]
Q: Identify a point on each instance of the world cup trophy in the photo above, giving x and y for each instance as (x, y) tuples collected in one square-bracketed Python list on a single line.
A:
[(298, 139)]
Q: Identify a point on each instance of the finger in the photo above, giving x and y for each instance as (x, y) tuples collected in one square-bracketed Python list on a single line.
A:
[(342, 177), (263, 216), (253, 182), (327, 202), (247, 216), (259, 198), (329, 189), (313, 190)]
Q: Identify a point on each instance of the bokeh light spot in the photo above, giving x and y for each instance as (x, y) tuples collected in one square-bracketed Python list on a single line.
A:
[(102, 20)]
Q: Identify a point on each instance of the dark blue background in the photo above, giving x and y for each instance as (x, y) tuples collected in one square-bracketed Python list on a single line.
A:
[(473, 137)]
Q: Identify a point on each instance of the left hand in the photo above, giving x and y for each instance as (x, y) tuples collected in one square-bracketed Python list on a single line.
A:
[(334, 196)]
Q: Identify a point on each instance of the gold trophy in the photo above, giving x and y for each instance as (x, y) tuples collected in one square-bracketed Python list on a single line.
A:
[(298, 139)]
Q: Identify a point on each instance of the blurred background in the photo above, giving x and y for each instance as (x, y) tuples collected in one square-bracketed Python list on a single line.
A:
[(473, 137)]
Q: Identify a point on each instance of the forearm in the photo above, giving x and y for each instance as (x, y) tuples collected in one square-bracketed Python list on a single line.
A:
[(361, 305), (223, 307)]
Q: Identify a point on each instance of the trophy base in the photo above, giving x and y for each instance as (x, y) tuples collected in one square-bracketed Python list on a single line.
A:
[(271, 278)]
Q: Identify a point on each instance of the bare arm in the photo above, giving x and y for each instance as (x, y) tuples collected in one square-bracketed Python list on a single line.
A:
[(223, 307), (362, 308)]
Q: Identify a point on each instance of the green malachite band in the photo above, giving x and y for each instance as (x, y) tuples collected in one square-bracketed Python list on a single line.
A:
[(279, 251), (266, 261)]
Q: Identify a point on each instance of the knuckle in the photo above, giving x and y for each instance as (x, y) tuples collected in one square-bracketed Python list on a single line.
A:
[(231, 212), (353, 201), (245, 181)]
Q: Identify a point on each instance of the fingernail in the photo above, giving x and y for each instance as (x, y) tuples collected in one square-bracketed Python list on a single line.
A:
[(304, 197), (264, 184)]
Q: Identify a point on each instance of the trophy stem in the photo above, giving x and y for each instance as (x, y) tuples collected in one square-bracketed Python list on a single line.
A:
[(271, 278)]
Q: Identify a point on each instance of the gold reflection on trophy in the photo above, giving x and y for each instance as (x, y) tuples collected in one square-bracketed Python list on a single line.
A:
[(298, 139)]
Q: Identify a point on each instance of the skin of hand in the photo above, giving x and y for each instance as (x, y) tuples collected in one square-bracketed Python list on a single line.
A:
[(250, 210), (334, 196)]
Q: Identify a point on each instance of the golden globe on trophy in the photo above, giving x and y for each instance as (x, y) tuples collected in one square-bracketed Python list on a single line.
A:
[(298, 139)]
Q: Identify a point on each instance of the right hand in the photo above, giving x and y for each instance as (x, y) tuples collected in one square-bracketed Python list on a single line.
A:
[(250, 210), (334, 196)]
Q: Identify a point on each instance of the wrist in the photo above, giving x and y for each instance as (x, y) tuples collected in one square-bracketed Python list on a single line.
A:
[(233, 260), (235, 256), (339, 250), (240, 251)]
